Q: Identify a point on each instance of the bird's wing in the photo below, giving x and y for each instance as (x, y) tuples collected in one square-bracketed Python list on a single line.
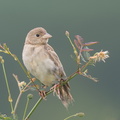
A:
[(52, 54)]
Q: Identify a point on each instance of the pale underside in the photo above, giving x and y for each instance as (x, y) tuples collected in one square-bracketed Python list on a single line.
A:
[(42, 65)]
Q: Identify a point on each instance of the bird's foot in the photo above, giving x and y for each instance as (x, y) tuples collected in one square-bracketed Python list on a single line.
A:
[(43, 94), (55, 88)]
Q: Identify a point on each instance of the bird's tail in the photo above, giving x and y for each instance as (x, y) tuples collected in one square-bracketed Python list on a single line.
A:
[(63, 93)]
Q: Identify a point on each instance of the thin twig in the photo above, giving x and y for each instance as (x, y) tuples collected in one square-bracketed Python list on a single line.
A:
[(49, 92), (34, 108), (17, 101), (8, 89), (26, 108)]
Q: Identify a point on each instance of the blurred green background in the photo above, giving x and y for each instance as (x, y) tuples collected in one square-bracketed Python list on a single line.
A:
[(94, 20)]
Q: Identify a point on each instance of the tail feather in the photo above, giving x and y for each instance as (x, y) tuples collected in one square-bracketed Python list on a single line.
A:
[(63, 93)]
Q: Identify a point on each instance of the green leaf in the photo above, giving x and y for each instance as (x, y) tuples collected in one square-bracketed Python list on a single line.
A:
[(86, 54)]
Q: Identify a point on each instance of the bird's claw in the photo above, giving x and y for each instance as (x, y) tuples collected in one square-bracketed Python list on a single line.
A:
[(43, 94), (55, 88)]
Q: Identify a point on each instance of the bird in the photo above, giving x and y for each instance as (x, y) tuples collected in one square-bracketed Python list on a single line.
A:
[(43, 63)]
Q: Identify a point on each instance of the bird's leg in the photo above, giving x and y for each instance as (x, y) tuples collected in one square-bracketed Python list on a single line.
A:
[(43, 93), (57, 85), (55, 88)]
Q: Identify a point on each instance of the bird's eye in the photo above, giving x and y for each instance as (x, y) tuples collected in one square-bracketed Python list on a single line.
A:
[(37, 35)]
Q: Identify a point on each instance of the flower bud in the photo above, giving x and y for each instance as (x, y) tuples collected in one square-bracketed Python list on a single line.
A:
[(30, 96), (1, 59), (67, 34), (81, 114)]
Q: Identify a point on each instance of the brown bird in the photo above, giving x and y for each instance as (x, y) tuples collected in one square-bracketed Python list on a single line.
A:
[(41, 61)]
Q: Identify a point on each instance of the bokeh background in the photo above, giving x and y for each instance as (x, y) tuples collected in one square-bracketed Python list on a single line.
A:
[(94, 20)]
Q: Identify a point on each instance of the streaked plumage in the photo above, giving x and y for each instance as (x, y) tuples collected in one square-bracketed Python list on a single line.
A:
[(42, 62)]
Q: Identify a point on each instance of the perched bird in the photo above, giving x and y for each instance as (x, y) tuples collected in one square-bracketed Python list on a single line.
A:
[(41, 61)]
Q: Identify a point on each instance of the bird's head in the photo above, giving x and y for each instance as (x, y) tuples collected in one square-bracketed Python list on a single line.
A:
[(37, 36)]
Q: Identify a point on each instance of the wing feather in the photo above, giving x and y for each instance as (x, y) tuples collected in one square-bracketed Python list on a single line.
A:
[(52, 54)]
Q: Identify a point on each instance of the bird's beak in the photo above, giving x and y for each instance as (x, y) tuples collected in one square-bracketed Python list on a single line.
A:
[(47, 36)]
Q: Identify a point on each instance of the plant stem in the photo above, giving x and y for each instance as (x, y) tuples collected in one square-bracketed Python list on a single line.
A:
[(84, 66), (80, 114), (21, 65), (33, 109), (74, 49), (49, 92), (8, 89), (7, 51), (26, 108), (17, 101), (69, 117)]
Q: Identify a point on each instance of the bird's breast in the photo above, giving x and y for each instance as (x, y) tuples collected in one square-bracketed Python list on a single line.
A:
[(39, 65)]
